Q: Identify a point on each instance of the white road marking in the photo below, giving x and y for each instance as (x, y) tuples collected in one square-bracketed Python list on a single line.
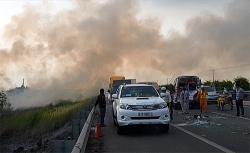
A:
[(203, 139), (231, 115)]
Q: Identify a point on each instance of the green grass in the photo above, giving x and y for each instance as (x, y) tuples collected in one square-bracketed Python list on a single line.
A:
[(37, 121)]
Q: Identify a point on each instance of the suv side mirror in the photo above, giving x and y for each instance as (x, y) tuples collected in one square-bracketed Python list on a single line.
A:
[(114, 96)]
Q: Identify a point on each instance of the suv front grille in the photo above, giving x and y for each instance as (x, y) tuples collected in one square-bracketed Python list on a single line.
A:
[(145, 118), (144, 107)]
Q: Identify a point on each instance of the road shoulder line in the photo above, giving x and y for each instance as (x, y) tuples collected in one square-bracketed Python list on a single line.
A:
[(203, 139)]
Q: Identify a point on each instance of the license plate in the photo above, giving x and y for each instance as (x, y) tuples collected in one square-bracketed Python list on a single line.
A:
[(145, 114)]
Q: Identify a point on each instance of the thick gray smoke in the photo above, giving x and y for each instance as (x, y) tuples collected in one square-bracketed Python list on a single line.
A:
[(79, 49)]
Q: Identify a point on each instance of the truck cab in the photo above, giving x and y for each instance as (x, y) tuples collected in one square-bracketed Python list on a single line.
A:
[(192, 84)]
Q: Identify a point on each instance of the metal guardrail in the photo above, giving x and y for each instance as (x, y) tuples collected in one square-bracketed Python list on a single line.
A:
[(81, 143)]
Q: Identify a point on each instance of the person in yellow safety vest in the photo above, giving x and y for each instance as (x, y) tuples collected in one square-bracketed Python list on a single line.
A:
[(168, 100), (202, 94)]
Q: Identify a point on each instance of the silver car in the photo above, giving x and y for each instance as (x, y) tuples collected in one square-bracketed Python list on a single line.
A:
[(139, 104), (212, 94)]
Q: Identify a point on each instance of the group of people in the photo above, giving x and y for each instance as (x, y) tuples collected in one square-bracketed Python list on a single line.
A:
[(239, 96), (202, 98), (184, 96)]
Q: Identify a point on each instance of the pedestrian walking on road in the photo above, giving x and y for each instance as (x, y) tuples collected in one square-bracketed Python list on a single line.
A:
[(202, 94), (101, 101), (185, 101), (168, 100), (239, 99)]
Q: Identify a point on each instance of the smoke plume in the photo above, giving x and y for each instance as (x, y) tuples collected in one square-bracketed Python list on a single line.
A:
[(79, 49)]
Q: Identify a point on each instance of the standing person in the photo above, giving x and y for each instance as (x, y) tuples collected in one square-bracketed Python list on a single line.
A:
[(239, 100), (182, 99), (202, 94), (101, 101), (229, 98), (185, 101), (168, 100)]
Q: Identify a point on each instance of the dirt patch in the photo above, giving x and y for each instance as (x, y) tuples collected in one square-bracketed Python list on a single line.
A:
[(94, 145), (37, 144)]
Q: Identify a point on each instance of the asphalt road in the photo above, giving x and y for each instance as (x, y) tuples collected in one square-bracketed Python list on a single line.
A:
[(217, 131)]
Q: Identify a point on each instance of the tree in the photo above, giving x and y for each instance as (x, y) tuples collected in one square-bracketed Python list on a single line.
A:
[(243, 82), (3, 100), (207, 83), (219, 85), (226, 83)]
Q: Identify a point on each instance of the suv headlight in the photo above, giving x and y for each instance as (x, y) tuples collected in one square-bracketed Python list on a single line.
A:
[(123, 106), (162, 105)]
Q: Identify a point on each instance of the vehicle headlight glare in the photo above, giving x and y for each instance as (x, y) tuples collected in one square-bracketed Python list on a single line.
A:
[(162, 105), (122, 106)]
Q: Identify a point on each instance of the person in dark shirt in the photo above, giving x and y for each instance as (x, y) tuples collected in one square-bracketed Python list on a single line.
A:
[(101, 101), (239, 99)]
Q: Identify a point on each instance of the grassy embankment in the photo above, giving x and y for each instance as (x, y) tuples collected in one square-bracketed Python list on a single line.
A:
[(37, 121)]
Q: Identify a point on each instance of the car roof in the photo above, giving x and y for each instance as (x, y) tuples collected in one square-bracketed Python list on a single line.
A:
[(208, 86), (136, 85)]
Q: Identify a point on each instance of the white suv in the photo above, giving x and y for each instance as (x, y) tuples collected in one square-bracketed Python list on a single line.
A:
[(139, 104)]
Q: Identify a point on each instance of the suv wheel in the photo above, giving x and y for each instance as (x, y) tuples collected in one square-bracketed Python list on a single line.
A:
[(113, 117), (120, 130), (164, 128)]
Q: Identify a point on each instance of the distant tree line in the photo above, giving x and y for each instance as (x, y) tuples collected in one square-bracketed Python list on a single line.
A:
[(219, 85)]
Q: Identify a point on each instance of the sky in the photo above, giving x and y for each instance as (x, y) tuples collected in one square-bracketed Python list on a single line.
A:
[(61, 46)]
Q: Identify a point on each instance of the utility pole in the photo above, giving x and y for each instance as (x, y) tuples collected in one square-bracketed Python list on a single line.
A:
[(167, 80), (213, 74)]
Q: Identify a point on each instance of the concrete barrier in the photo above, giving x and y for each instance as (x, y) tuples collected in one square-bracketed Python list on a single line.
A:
[(81, 143)]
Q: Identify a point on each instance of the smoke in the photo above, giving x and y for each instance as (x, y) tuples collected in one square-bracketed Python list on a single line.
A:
[(79, 49)]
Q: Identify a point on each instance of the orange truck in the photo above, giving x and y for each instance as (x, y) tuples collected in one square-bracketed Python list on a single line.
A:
[(113, 78)]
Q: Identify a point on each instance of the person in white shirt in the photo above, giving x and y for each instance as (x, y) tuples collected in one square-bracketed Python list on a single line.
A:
[(185, 99)]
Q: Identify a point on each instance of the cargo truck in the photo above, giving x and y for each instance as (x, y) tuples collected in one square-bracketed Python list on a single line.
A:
[(113, 78), (192, 84)]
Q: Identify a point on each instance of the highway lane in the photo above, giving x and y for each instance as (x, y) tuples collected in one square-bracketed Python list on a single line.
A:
[(223, 128), (219, 131)]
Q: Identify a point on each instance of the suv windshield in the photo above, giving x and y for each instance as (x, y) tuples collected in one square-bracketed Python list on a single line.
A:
[(139, 91)]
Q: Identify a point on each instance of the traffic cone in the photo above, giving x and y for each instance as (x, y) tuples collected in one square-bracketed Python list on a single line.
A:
[(97, 130)]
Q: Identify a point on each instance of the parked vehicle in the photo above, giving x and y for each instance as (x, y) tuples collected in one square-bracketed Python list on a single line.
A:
[(117, 83), (139, 104), (212, 94), (113, 78), (192, 84)]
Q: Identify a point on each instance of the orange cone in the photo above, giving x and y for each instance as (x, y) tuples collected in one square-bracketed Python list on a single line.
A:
[(97, 130)]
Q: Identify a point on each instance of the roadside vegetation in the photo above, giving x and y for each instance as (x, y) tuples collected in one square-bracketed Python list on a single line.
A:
[(219, 85), (38, 121)]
